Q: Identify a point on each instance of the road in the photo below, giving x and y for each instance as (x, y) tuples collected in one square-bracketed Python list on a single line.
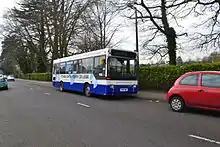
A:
[(39, 116)]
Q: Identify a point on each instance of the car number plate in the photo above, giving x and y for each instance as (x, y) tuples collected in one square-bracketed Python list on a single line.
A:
[(123, 89)]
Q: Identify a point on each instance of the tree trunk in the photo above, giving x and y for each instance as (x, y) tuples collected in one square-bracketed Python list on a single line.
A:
[(171, 44), (42, 67), (170, 35), (55, 49)]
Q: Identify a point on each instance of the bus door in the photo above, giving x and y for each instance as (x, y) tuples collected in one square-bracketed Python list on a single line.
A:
[(56, 73)]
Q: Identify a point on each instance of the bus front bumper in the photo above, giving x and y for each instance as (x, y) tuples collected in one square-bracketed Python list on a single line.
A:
[(118, 90)]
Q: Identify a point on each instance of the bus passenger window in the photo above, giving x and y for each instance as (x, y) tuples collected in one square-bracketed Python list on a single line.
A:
[(87, 65), (58, 69), (69, 67)]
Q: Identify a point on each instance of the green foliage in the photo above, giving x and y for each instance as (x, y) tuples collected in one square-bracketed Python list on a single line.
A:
[(38, 76), (163, 77)]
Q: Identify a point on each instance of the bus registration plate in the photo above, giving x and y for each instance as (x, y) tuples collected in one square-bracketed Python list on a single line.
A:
[(123, 89)]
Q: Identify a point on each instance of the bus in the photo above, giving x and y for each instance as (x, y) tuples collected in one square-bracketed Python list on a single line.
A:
[(109, 72)]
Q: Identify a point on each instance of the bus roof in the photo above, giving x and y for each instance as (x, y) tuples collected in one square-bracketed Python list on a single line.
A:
[(86, 55)]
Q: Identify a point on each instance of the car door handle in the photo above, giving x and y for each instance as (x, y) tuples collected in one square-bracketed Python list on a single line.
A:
[(200, 90)]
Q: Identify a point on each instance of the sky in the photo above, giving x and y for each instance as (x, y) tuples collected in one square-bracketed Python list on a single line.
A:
[(5, 4), (127, 34)]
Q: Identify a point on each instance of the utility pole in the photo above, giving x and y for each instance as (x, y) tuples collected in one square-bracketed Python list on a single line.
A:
[(136, 32), (137, 45)]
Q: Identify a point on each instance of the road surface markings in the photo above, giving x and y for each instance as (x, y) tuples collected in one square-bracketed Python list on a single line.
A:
[(205, 139), (47, 93), (84, 105)]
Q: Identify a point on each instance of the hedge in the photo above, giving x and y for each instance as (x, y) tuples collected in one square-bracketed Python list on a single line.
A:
[(163, 77), (38, 76), (151, 77)]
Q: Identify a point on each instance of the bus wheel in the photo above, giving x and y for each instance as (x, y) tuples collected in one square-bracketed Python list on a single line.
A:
[(61, 87), (87, 90)]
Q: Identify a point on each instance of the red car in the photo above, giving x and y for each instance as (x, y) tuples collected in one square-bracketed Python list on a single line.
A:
[(196, 89)]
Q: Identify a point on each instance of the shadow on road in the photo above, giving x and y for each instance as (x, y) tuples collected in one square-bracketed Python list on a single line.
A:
[(6, 89), (111, 98), (117, 98), (203, 112)]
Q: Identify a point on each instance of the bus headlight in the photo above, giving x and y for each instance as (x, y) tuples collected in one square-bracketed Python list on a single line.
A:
[(134, 86)]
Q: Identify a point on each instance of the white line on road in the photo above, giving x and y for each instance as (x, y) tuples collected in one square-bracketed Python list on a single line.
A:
[(84, 105), (47, 93), (205, 139)]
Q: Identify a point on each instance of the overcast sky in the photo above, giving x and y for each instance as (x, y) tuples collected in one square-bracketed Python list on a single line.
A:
[(5, 4), (127, 33)]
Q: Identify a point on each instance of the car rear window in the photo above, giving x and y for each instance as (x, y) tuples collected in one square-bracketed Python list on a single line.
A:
[(191, 80), (211, 80)]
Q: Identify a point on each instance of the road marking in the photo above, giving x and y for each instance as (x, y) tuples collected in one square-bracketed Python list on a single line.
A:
[(31, 88), (84, 105), (47, 93), (205, 139)]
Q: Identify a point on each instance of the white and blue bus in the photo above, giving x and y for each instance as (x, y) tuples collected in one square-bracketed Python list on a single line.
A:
[(102, 72)]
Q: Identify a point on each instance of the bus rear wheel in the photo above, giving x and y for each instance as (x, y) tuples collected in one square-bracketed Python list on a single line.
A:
[(87, 90), (61, 87)]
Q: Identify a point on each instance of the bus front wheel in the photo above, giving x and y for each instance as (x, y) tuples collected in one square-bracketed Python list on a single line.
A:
[(87, 90)]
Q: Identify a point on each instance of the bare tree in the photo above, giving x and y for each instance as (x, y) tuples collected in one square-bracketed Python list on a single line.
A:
[(62, 19), (28, 21), (45, 28), (160, 19), (98, 25), (210, 38)]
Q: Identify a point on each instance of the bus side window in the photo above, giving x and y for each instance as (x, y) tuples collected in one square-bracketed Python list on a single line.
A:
[(80, 66), (87, 65), (99, 66), (75, 67), (62, 68), (69, 67)]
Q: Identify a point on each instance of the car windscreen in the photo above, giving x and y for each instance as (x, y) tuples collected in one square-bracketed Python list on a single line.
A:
[(2, 79)]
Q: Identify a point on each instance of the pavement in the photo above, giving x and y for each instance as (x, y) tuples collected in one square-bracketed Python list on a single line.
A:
[(35, 115)]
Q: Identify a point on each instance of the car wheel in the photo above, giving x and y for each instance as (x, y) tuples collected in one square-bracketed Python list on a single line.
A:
[(177, 104), (87, 90), (6, 88), (61, 87)]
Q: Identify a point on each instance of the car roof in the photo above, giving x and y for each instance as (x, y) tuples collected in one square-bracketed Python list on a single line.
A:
[(199, 72)]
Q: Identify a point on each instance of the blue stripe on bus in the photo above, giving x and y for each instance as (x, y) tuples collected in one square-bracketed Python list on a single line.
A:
[(100, 89)]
